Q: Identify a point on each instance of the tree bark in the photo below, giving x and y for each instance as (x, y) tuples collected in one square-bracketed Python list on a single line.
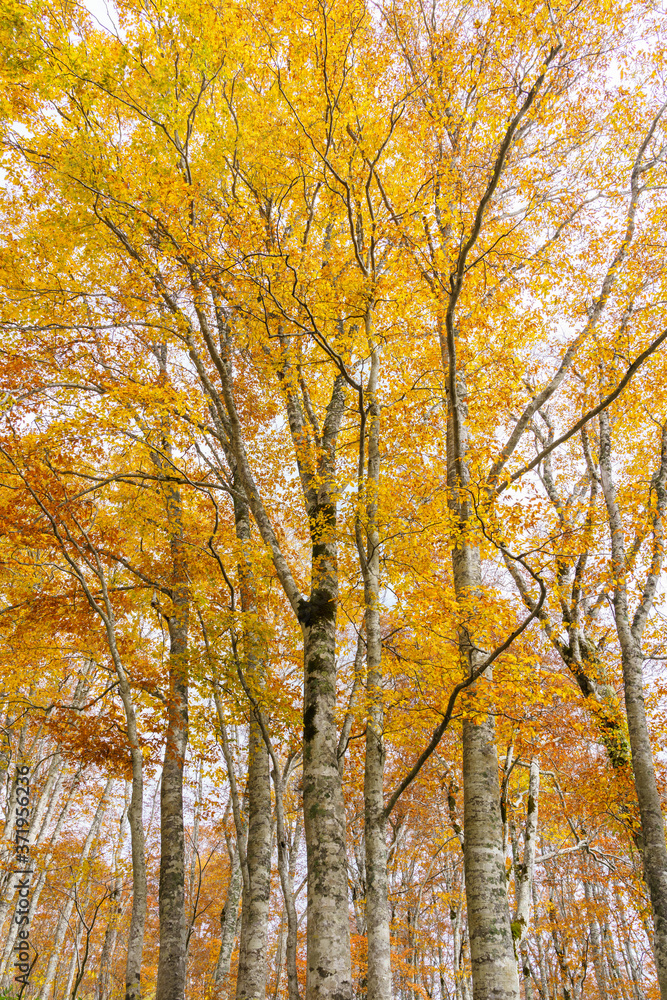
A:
[(379, 979), (172, 961), (253, 945), (135, 944), (595, 939), (494, 967), (329, 973), (329, 967), (525, 872), (228, 922)]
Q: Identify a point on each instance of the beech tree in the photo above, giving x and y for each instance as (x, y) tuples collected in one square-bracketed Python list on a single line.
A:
[(331, 369)]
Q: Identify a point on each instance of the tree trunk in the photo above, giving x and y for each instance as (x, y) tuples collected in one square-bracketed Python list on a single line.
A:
[(253, 945), (172, 961), (494, 967), (329, 973), (103, 984), (287, 866), (628, 947), (135, 944), (379, 980), (525, 871), (228, 921), (524, 876)]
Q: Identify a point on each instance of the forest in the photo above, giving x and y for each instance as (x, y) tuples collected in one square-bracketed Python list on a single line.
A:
[(333, 500)]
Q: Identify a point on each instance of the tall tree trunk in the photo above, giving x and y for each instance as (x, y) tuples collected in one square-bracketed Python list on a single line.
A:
[(135, 944), (73, 962), (379, 982), (654, 853), (541, 957), (524, 876), (196, 872), (172, 961), (228, 922), (525, 872), (329, 963), (287, 852), (329, 973), (238, 859), (253, 945), (251, 979), (494, 967)]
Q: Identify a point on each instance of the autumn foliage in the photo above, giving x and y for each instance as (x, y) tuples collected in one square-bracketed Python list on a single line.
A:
[(333, 478)]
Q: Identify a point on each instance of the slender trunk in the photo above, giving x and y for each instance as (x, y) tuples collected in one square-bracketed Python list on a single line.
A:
[(526, 970), (654, 853), (455, 916), (228, 921), (494, 967), (292, 922), (251, 980), (287, 873), (541, 957), (595, 939), (238, 859), (280, 952), (103, 984), (172, 961), (135, 944), (329, 965), (379, 980), (171, 964), (44, 808), (524, 876), (287, 866), (253, 945), (650, 807), (195, 874), (525, 871), (618, 984)]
